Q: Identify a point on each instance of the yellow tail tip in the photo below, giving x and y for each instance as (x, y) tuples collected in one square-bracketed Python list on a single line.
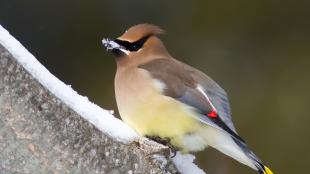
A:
[(267, 170)]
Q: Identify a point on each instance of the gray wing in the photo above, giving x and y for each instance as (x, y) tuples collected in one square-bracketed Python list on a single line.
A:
[(217, 95), (181, 83)]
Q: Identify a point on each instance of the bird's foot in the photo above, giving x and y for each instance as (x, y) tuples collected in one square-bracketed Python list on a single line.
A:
[(157, 151), (150, 147), (166, 142)]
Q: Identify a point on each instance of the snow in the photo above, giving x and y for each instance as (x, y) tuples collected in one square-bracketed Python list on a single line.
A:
[(185, 164), (101, 118)]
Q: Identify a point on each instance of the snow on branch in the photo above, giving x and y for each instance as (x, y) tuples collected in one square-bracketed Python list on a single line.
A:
[(100, 118)]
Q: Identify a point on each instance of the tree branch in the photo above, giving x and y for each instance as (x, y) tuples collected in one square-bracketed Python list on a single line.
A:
[(42, 131)]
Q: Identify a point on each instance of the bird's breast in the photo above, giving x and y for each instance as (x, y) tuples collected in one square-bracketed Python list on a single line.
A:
[(142, 105)]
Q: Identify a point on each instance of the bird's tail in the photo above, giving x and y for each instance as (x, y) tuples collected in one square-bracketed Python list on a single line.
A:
[(235, 148), (262, 169), (267, 170)]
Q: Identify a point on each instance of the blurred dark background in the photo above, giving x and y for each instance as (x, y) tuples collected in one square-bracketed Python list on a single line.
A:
[(257, 50)]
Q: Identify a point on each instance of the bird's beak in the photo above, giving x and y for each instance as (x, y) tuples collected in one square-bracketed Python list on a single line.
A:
[(110, 44)]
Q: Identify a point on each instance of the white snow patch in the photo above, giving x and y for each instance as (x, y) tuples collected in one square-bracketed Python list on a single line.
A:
[(185, 164), (110, 44), (101, 118)]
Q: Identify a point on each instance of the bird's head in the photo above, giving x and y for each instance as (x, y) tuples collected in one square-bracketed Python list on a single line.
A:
[(138, 44)]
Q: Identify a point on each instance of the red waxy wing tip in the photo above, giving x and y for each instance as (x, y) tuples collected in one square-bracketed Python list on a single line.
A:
[(212, 114)]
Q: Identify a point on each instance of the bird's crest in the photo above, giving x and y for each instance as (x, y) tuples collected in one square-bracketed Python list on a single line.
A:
[(139, 31)]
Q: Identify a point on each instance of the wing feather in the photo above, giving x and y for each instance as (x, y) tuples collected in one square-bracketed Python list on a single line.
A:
[(181, 83)]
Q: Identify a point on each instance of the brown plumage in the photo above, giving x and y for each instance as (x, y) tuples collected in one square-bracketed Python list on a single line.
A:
[(138, 31), (160, 96)]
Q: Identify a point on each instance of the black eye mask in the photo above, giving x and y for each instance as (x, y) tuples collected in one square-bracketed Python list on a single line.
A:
[(132, 46)]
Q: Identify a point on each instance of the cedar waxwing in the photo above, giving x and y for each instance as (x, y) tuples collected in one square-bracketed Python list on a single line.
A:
[(159, 96)]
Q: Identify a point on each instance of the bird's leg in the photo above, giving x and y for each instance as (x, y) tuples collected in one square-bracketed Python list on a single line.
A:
[(165, 142), (150, 147), (173, 151)]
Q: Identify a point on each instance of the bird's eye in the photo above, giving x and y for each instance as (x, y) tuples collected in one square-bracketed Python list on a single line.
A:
[(132, 46), (135, 47)]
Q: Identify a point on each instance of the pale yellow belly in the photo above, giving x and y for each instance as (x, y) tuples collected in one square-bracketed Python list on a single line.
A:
[(164, 117)]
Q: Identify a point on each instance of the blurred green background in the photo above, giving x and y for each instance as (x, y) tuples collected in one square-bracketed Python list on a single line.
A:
[(259, 51)]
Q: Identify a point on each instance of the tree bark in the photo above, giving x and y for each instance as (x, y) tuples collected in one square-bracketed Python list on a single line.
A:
[(40, 134)]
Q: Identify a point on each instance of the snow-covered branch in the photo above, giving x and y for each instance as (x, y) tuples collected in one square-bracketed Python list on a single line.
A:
[(47, 127)]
